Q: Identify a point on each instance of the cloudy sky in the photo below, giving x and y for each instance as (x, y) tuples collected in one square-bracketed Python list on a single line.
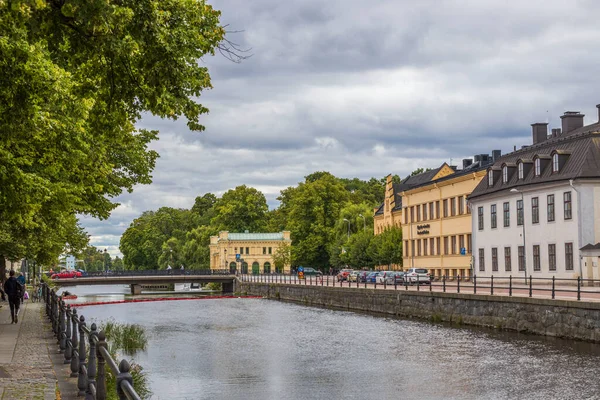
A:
[(367, 88)]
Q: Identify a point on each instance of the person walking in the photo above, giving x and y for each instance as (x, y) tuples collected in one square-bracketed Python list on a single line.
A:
[(13, 291), (21, 280)]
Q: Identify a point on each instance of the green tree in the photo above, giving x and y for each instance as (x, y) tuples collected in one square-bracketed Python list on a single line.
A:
[(240, 209), (282, 256), (419, 171), (77, 77), (204, 207), (196, 253), (357, 254), (386, 248)]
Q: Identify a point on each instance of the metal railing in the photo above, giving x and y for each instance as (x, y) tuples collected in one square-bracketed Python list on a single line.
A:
[(85, 350), (160, 272), (492, 285)]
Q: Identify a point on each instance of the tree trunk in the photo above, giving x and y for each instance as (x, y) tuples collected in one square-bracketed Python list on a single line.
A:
[(2, 268)]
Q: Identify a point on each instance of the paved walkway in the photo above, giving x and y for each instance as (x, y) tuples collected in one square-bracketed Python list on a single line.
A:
[(29, 358)]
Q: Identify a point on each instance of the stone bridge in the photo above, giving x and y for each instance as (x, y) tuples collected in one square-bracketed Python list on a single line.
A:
[(138, 278)]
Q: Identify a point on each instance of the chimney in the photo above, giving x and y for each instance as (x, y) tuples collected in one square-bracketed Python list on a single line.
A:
[(540, 132), (496, 154), (598, 107), (555, 132), (571, 120), (467, 162), (477, 158)]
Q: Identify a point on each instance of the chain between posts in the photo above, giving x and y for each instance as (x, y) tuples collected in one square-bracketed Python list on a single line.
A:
[(85, 349)]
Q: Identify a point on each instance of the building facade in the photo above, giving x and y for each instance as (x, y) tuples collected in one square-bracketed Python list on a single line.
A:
[(537, 212), (389, 213), (247, 252)]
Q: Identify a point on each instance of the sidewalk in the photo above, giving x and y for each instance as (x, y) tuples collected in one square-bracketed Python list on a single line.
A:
[(28, 357)]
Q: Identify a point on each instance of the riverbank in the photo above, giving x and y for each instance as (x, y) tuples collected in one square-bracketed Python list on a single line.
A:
[(29, 359), (578, 320)]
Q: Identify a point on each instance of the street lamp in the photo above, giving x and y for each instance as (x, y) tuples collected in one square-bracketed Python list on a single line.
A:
[(225, 257), (515, 190), (348, 227), (364, 222)]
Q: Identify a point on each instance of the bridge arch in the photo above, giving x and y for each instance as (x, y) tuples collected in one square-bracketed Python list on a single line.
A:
[(232, 267), (255, 267), (267, 267)]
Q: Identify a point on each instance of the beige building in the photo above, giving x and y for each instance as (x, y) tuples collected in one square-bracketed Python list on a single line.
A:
[(432, 210), (247, 252)]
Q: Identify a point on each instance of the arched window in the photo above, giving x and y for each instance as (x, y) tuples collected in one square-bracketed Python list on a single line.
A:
[(490, 178), (538, 167), (555, 165), (504, 174), (521, 170)]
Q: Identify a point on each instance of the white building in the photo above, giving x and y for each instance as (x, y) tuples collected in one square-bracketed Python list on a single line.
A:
[(538, 210)]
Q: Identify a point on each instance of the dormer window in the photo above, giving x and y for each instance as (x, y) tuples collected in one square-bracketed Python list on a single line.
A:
[(538, 167), (504, 174), (521, 174), (490, 178), (555, 165)]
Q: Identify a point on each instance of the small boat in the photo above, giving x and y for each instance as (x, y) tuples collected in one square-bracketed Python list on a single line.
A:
[(69, 297)]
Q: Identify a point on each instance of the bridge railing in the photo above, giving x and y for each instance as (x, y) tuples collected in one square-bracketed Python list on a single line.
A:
[(86, 351), (161, 272)]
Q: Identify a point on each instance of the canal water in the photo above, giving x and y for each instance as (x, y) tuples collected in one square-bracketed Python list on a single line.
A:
[(262, 349)]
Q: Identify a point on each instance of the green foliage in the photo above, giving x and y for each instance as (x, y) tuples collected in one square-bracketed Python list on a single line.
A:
[(240, 209), (419, 171), (196, 253), (218, 287), (282, 256), (357, 253), (386, 248)]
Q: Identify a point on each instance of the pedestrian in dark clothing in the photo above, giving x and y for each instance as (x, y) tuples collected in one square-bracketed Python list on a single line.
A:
[(21, 280), (13, 291)]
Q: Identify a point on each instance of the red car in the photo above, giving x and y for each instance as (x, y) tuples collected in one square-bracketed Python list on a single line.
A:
[(343, 275), (66, 274)]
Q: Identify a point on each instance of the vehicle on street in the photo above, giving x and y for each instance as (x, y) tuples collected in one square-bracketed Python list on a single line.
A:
[(312, 271), (414, 275), (399, 278), (372, 277), (343, 274), (362, 276), (386, 277), (353, 276), (66, 275)]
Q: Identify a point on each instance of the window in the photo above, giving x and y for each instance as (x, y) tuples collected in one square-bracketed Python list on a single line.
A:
[(480, 217), (431, 247), (437, 209), (504, 174), (453, 250), (424, 247), (567, 206), (461, 242), (555, 163), (247, 250), (264, 250), (538, 167), (431, 216), (241, 250), (490, 178), (406, 247), (412, 248), (494, 259), (446, 249), (506, 214), (418, 247), (536, 257), (469, 243), (481, 260), (519, 212), (507, 259), (445, 208), (493, 214), (453, 206), (552, 257), (418, 213), (550, 207), (520, 171), (412, 214), (461, 205), (437, 246), (521, 258), (270, 250), (535, 210), (424, 212), (569, 256)]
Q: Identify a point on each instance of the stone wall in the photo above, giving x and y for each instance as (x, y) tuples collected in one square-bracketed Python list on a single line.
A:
[(560, 318)]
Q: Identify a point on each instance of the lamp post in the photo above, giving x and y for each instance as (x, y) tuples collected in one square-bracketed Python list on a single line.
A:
[(225, 257), (348, 227), (364, 222), (515, 190)]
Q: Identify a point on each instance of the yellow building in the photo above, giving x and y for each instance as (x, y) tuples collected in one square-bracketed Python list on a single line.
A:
[(432, 210), (244, 252)]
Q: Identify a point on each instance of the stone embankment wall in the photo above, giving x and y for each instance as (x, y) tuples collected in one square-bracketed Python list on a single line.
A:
[(560, 318)]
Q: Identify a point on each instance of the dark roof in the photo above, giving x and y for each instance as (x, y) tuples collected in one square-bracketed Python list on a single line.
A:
[(397, 198), (581, 147), (591, 247), (472, 168), (415, 180), (379, 210)]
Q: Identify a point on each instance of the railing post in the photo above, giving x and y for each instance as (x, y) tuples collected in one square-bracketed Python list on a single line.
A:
[(101, 380), (444, 283), (62, 325), (510, 285), (124, 375), (474, 284), (52, 311), (75, 343), (457, 283), (578, 288), (91, 365), (68, 345), (530, 286), (492, 286), (82, 378), (553, 279)]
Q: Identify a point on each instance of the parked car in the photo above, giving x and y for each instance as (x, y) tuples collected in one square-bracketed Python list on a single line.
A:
[(312, 271), (386, 277), (66, 274), (372, 277), (414, 275), (362, 276), (399, 278), (353, 276), (343, 274)]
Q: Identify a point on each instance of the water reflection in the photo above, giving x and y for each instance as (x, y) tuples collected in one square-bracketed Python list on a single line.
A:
[(261, 349)]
